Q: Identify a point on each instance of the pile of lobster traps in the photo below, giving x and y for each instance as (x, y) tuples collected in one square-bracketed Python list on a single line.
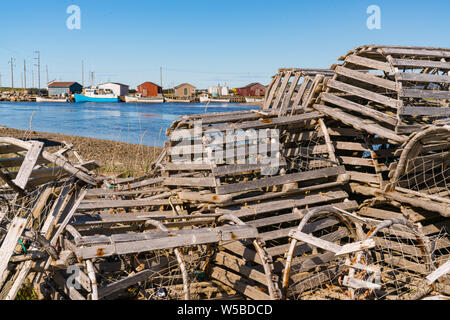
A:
[(336, 188)]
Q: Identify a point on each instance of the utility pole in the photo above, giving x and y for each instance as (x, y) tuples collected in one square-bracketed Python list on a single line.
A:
[(12, 72), (46, 69), (82, 73), (39, 68), (24, 74)]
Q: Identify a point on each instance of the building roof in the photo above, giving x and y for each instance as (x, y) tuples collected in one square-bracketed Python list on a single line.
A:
[(62, 84), (251, 85), (184, 84), (150, 83), (117, 83)]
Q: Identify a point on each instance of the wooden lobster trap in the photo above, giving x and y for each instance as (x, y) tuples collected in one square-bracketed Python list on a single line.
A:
[(389, 91), (165, 258), (245, 161), (423, 170), (390, 259), (294, 90)]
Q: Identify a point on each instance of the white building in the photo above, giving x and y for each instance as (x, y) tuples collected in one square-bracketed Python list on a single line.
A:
[(219, 91), (117, 88)]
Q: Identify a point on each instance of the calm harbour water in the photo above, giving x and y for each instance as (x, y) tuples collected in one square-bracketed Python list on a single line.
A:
[(139, 123)]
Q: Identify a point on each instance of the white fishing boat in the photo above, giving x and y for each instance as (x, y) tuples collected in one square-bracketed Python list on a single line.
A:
[(137, 99), (178, 100), (41, 99), (253, 100), (97, 95), (206, 98)]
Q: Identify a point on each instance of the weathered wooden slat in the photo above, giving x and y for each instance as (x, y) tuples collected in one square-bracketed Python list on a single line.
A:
[(425, 111), (131, 280), (111, 192), (364, 177), (363, 93), (360, 284), (237, 283), (417, 52), (102, 204), (238, 232), (356, 246), (174, 166), (231, 118), (190, 182), (16, 162), (411, 63), (273, 89), (369, 63), (424, 94), (264, 123), (15, 230), (239, 168), (282, 90), (301, 91), (422, 77), (357, 123), (28, 164), (379, 213), (238, 265), (279, 180), (367, 78), (316, 242), (312, 91), (129, 237), (353, 106), (441, 271), (143, 183), (281, 204), (288, 97), (367, 162)]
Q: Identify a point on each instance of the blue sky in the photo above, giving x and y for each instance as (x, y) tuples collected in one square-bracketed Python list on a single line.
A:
[(203, 42)]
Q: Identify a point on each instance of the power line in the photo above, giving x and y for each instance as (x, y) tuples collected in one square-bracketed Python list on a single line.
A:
[(82, 73), (24, 74), (39, 68), (12, 72)]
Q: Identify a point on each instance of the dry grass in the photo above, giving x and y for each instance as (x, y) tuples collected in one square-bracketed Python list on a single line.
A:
[(117, 158)]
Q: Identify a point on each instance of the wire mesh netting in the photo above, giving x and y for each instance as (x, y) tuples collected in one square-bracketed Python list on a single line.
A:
[(306, 150), (425, 168), (163, 276), (394, 268)]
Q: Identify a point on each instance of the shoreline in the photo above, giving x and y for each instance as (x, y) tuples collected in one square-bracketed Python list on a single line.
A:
[(115, 158), (256, 104)]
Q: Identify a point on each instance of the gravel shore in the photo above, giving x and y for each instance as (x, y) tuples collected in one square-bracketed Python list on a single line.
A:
[(116, 158)]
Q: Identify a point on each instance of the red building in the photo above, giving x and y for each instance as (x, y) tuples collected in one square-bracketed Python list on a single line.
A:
[(149, 89), (252, 90)]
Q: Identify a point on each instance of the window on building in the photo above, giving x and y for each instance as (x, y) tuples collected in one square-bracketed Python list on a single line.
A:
[(185, 91)]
